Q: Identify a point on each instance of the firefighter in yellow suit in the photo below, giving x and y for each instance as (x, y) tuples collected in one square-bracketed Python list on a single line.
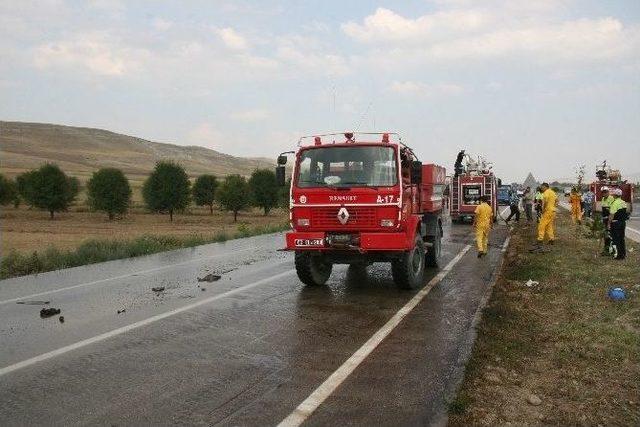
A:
[(482, 223), (546, 225), (576, 208)]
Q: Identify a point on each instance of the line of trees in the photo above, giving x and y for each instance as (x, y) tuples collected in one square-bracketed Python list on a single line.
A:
[(166, 190)]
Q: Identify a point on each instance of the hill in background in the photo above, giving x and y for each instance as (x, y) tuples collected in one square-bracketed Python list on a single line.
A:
[(81, 151)]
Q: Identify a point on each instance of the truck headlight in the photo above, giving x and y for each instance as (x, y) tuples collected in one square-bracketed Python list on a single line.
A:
[(303, 222), (387, 223)]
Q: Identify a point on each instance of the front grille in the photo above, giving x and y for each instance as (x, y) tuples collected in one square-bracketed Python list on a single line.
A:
[(359, 217)]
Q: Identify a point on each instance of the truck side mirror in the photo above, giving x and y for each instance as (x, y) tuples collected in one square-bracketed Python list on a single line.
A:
[(282, 160), (280, 173), (416, 172)]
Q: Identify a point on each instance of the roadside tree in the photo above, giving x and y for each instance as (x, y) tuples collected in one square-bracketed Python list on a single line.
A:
[(48, 188), (167, 188), (264, 189), (234, 195), (204, 191), (8, 191), (108, 190)]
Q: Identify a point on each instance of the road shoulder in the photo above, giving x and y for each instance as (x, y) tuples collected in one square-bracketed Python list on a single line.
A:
[(558, 351)]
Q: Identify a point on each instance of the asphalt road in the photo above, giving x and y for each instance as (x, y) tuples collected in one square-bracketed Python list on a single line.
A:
[(247, 349)]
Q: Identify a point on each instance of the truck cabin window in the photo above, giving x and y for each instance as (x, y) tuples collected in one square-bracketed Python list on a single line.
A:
[(347, 167)]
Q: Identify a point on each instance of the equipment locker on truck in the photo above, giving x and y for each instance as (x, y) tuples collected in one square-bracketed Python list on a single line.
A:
[(363, 201)]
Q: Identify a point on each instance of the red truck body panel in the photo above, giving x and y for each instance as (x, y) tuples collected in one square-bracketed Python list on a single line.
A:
[(433, 181)]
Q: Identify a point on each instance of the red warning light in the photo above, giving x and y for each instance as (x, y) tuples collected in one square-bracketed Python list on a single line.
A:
[(317, 140), (385, 138)]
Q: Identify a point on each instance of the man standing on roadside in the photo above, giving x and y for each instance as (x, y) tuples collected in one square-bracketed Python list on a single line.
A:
[(527, 201), (576, 206), (546, 225), (588, 198), (482, 223), (617, 223), (514, 201), (538, 201), (606, 201)]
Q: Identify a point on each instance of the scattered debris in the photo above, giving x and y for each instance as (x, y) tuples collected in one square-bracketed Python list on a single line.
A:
[(617, 294), (122, 311), (48, 312), (33, 302), (158, 289), (61, 319), (534, 400), (529, 283), (209, 278)]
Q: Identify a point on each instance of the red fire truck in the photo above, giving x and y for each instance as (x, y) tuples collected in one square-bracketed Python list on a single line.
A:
[(472, 179), (612, 178), (362, 201)]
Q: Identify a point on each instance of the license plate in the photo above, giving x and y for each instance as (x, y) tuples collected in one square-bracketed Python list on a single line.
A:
[(309, 242)]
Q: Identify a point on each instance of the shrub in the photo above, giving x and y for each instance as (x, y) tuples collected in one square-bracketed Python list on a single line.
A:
[(109, 191), (167, 188), (204, 191), (8, 191), (48, 188), (264, 189), (234, 194)]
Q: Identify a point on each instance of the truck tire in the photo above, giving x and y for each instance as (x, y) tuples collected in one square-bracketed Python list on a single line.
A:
[(312, 269), (408, 271), (433, 252)]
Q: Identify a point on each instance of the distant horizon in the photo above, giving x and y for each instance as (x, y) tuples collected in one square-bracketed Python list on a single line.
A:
[(634, 176)]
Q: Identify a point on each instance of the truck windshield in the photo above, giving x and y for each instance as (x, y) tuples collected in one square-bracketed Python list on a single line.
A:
[(363, 166)]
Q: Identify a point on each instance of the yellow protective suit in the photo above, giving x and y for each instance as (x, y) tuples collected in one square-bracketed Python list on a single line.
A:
[(576, 209), (546, 224), (484, 216)]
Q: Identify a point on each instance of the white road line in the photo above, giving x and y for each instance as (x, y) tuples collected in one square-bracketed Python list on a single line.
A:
[(132, 326), (505, 245), (320, 394), (109, 279), (633, 229)]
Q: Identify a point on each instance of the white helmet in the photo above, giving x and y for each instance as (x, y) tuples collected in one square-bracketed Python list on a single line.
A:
[(605, 188), (616, 192)]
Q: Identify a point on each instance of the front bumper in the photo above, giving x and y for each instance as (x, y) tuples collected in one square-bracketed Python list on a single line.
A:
[(360, 242)]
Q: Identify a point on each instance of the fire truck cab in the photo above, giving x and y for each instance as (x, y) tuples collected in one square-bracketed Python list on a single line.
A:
[(362, 201)]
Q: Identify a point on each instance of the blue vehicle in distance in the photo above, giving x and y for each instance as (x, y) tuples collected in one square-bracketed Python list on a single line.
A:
[(503, 195)]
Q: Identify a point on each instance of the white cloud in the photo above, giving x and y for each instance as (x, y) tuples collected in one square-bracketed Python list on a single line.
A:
[(412, 88), (487, 34), (254, 115), (94, 52), (386, 26), (232, 39)]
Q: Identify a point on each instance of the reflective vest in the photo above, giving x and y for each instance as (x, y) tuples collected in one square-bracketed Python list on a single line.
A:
[(606, 201), (618, 206)]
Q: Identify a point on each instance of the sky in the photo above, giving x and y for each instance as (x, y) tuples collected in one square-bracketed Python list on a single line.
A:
[(539, 86)]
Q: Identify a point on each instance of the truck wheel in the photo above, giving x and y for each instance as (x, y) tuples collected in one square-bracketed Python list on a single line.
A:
[(433, 252), (408, 271), (312, 270)]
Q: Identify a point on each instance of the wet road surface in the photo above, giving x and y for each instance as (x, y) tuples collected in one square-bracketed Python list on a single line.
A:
[(247, 349)]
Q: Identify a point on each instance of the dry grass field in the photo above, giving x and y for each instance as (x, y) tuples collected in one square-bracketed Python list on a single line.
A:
[(27, 230)]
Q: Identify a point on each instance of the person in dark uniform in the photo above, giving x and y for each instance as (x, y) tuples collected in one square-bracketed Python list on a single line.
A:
[(618, 216), (606, 201)]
